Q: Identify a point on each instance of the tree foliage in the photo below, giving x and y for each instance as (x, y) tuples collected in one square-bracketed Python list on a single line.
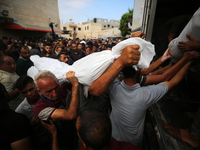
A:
[(124, 20)]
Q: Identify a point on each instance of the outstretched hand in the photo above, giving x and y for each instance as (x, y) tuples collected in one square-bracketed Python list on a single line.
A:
[(165, 56), (190, 45), (192, 55), (138, 34)]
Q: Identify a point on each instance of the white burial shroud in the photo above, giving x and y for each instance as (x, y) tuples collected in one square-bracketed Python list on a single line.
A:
[(91, 67), (192, 28)]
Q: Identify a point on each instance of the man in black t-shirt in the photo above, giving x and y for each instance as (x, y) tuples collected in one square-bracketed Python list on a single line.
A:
[(76, 54)]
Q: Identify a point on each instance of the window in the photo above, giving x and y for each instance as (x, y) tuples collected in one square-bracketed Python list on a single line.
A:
[(112, 26), (66, 32), (104, 26), (79, 28), (108, 25), (64, 28), (87, 27)]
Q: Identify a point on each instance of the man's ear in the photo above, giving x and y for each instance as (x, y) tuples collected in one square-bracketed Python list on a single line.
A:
[(81, 140)]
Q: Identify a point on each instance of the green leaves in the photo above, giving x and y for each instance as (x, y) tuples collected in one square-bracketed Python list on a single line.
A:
[(124, 21)]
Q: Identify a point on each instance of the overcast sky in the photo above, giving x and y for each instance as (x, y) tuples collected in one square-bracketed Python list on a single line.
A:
[(81, 10)]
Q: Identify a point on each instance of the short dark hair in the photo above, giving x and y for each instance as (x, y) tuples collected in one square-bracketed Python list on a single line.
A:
[(95, 128), (62, 52), (96, 45), (33, 45), (128, 72), (24, 47), (73, 42), (48, 44), (4, 38), (23, 81), (108, 46)]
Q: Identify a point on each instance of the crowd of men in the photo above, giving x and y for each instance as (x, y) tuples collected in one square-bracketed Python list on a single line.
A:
[(55, 116)]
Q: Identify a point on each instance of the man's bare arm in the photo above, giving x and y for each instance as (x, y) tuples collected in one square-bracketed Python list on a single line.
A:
[(23, 144), (156, 64), (72, 111), (178, 77), (129, 57), (154, 79)]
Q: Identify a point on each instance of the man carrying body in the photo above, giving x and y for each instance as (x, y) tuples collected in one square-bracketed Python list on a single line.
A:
[(55, 96), (55, 104), (128, 113)]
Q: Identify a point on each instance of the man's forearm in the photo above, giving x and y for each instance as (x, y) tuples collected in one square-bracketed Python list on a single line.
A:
[(103, 83), (8, 50), (178, 76), (175, 68), (55, 142), (73, 107), (152, 67), (130, 56)]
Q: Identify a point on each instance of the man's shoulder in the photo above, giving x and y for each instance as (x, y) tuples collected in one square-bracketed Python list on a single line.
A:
[(20, 61), (40, 105), (24, 103)]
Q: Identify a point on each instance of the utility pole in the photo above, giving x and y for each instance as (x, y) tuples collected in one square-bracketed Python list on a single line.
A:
[(53, 34)]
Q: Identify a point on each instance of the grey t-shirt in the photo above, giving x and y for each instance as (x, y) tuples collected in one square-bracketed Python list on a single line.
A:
[(129, 105)]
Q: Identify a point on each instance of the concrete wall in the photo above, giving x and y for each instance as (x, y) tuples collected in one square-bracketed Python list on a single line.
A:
[(82, 31), (31, 13), (105, 24)]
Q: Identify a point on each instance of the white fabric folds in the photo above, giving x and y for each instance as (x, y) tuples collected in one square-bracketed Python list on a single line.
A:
[(193, 28), (91, 67)]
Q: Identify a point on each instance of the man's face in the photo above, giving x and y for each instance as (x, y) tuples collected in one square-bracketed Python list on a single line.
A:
[(77, 41), (5, 41), (25, 53), (80, 47), (9, 64), (48, 49), (59, 50), (64, 58), (94, 49), (103, 47), (70, 42), (30, 92), (87, 51), (49, 87), (74, 47)]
